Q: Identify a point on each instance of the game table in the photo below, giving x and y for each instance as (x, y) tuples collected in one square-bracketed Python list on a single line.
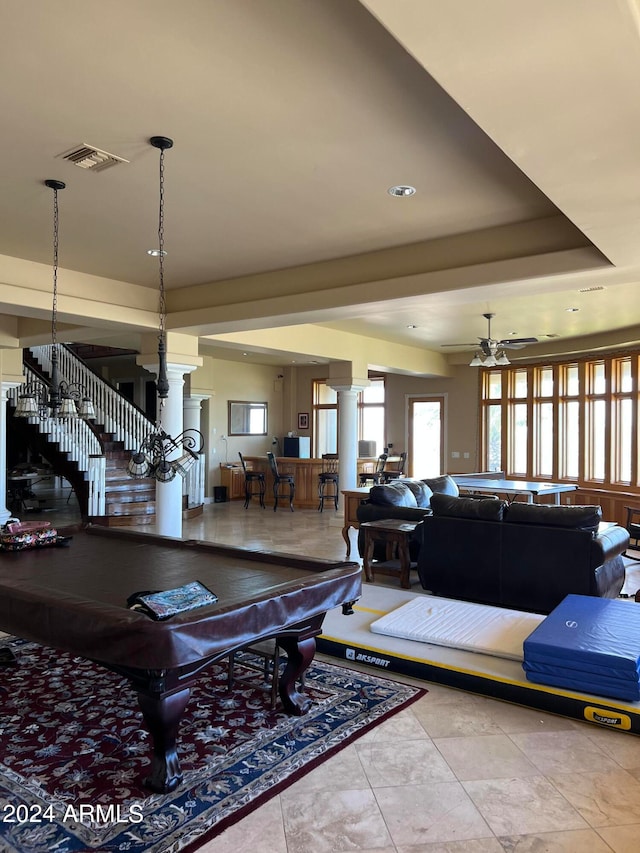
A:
[(74, 598)]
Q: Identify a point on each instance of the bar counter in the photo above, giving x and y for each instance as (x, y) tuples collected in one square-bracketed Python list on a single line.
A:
[(305, 472)]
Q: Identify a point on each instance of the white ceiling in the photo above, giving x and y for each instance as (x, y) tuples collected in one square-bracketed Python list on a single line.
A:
[(518, 124)]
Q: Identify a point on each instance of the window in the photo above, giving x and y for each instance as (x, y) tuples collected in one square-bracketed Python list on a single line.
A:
[(573, 421), (371, 416)]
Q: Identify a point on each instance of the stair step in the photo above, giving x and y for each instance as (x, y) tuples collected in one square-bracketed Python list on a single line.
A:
[(126, 483), (122, 520), (138, 497), (135, 508)]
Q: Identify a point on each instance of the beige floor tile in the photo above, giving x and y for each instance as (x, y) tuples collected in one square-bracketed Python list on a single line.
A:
[(262, 831), (334, 821), (342, 771), (622, 839), (463, 715), (485, 757), (471, 845), (410, 762), (435, 812), (523, 806), (573, 841), (609, 798), (623, 749), (514, 719), (401, 727), (563, 752)]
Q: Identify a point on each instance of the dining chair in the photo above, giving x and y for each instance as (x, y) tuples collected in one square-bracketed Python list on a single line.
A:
[(374, 476), (328, 476), (280, 480), (633, 528), (251, 480)]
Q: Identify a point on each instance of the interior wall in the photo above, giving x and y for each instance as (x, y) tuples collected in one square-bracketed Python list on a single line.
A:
[(462, 391), (233, 380)]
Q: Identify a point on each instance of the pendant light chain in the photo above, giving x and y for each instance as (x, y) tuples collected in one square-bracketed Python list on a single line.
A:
[(162, 307), (56, 237), (156, 456)]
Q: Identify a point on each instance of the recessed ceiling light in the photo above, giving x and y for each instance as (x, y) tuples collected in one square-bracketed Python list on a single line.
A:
[(155, 253), (571, 310), (245, 353), (412, 326), (401, 191)]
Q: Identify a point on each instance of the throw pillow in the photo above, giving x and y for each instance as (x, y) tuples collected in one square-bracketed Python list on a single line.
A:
[(392, 494), (485, 508), (421, 492), (444, 485), (573, 516)]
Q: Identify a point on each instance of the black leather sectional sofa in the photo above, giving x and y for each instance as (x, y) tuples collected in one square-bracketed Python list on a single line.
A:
[(518, 555)]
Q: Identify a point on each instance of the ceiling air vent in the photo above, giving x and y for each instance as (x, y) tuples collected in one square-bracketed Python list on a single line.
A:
[(591, 289), (94, 159)]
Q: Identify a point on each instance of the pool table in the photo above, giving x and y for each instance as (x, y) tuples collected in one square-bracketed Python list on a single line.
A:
[(74, 598)]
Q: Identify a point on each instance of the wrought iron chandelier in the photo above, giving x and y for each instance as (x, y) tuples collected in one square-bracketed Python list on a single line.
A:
[(56, 398), (157, 455)]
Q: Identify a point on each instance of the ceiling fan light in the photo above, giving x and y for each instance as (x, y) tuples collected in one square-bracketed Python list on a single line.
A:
[(476, 361), (490, 361), (502, 359)]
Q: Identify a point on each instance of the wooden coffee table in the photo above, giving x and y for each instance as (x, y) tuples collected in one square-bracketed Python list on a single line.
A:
[(396, 534)]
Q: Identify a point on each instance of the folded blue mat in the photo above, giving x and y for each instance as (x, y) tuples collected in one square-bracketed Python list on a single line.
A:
[(588, 644), (589, 631), (567, 663), (622, 690), (584, 680)]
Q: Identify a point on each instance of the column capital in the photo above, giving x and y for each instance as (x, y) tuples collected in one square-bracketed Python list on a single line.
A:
[(344, 386), (174, 369)]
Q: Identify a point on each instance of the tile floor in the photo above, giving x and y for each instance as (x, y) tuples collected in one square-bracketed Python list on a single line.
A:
[(454, 773)]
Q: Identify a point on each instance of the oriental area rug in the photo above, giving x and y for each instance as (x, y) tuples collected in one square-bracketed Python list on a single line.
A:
[(73, 752)]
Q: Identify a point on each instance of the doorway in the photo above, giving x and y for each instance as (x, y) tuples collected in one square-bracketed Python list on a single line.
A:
[(426, 436)]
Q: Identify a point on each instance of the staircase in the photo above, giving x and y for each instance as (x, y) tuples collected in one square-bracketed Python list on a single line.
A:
[(94, 457), (127, 501)]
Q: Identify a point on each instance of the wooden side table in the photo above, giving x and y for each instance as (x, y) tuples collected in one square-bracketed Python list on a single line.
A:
[(396, 535), (352, 498)]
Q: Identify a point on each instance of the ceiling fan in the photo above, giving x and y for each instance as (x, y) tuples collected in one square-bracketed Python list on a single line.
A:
[(491, 350)]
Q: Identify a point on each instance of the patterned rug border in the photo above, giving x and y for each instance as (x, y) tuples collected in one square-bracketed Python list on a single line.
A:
[(244, 767)]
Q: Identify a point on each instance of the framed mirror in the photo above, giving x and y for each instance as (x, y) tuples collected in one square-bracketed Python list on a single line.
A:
[(247, 418)]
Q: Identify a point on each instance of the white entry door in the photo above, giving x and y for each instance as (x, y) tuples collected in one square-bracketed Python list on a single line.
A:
[(426, 436)]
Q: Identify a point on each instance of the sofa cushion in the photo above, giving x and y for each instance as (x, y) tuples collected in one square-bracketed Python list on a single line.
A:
[(575, 517), (444, 485), (392, 494), (421, 492), (486, 508)]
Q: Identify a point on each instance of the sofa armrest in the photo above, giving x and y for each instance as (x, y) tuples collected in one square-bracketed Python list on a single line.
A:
[(375, 512), (609, 542)]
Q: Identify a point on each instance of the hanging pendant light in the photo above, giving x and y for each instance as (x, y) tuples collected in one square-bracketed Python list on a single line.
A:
[(56, 398), (160, 455)]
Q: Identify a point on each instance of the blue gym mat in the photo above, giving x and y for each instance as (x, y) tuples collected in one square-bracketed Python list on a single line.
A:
[(589, 644)]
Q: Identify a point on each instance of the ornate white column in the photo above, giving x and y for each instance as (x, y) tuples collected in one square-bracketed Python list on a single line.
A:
[(169, 495), (5, 387), (195, 481), (192, 410), (342, 380)]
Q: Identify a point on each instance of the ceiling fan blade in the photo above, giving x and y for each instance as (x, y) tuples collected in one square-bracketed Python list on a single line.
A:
[(522, 341), (467, 344)]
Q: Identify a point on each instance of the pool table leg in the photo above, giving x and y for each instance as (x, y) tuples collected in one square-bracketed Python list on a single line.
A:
[(299, 656), (162, 715)]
